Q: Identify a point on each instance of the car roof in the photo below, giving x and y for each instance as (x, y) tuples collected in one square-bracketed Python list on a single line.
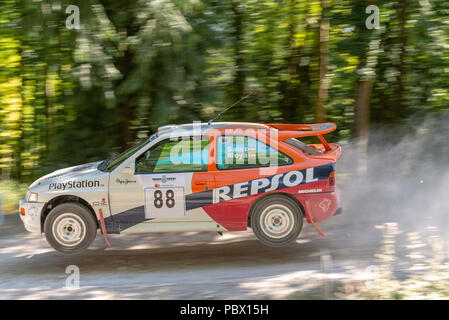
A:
[(200, 128)]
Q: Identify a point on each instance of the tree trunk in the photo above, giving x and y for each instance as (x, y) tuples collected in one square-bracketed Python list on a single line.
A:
[(361, 123), (362, 114), (20, 144), (48, 94), (323, 39), (238, 90), (288, 105), (400, 105), (125, 64), (126, 118), (125, 105)]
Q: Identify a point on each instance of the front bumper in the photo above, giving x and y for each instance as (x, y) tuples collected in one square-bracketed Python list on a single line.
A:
[(32, 218)]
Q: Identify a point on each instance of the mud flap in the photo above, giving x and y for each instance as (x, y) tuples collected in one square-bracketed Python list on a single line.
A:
[(309, 218), (317, 229), (103, 228)]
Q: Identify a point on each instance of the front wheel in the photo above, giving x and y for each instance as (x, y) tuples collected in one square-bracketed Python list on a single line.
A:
[(70, 228), (276, 220)]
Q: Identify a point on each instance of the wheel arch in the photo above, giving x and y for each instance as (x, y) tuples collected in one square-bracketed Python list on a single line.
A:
[(54, 202), (288, 195)]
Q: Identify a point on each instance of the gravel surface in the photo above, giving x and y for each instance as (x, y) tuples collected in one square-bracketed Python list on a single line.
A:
[(197, 265)]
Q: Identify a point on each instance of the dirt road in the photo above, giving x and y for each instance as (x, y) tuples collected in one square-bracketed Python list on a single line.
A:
[(411, 193), (188, 266)]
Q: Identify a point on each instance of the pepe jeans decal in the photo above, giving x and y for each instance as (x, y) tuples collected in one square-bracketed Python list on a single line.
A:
[(74, 185), (126, 181)]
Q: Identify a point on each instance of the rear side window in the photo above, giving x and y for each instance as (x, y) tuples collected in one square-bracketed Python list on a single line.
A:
[(235, 152), (302, 146), (175, 156)]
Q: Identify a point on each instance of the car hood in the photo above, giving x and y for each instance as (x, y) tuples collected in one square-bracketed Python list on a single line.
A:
[(67, 173)]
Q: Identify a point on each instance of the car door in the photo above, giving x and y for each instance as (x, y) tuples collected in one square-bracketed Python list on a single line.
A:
[(162, 186), (239, 160)]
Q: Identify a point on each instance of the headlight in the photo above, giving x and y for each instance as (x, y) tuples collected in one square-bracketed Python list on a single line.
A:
[(32, 196)]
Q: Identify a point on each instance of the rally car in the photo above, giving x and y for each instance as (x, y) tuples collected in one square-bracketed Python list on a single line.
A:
[(194, 177)]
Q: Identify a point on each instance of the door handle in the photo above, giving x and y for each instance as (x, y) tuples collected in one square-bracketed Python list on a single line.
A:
[(200, 182)]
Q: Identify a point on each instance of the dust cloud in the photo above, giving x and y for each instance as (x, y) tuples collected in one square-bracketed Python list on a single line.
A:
[(406, 181)]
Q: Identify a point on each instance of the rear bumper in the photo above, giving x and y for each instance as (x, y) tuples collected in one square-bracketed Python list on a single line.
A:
[(32, 218), (321, 206)]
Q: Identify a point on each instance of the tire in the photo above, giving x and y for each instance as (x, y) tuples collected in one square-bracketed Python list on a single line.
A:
[(276, 220), (70, 228)]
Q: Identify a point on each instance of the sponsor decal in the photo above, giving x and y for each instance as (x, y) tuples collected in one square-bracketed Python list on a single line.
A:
[(230, 192), (164, 179), (262, 185), (154, 136), (101, 203), (33, 212), (125, 181), (310, 191), (325, 204), (74, 185)]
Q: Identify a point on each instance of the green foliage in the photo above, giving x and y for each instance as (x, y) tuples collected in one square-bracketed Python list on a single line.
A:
[(11, 193), (71, 96)]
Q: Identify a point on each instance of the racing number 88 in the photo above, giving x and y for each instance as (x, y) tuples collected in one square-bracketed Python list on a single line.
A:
[(169, 199)]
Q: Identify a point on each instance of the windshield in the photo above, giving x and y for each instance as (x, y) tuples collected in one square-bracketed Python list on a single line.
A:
[(113, 162)]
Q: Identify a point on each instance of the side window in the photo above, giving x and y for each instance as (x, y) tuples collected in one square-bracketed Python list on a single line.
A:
[(234, 152), (175, 156)]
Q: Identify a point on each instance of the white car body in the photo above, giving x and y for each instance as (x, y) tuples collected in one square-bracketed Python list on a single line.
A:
[(119, 194)]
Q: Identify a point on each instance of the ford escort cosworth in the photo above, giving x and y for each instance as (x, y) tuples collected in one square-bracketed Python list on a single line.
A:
[(195, 177)]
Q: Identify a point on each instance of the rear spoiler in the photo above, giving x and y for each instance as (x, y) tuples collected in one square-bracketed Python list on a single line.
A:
[(287, 131)]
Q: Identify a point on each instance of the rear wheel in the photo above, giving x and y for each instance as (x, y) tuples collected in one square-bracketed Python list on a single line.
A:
[(70, 228), (276, 220)]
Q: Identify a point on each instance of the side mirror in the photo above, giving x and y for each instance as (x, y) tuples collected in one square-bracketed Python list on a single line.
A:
[(129, 169)]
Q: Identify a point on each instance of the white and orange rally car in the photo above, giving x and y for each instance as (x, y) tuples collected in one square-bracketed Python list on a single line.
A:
[(196, 177)]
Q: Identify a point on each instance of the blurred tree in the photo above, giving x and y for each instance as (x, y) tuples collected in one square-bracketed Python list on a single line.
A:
[(323, 52), (238, 89), (69, 96)]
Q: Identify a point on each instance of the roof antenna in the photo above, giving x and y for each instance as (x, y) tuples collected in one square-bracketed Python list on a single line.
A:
[(235, 103)]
